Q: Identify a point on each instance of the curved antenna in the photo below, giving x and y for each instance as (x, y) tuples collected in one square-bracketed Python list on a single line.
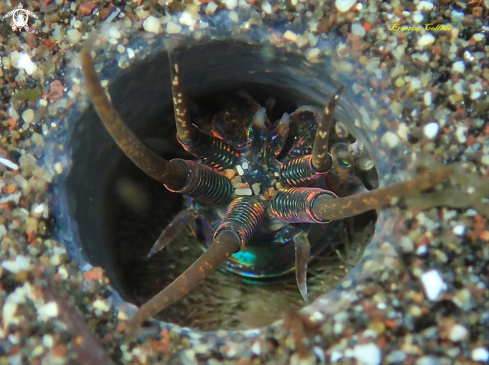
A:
[(325, 208), (186, 131), (242, 218), (171, 174), (225, 244), (321, 161), (315, 205), (213, 151)]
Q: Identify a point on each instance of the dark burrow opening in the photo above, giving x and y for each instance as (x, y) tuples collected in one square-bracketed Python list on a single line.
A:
[(120, 212)]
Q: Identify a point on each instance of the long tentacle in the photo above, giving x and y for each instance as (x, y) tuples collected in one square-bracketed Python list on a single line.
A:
[(473, 192), (187, 132), (237, 227), (304, 169), (327, 209), (185, 177), (212, 150), (321, 161), (225, 244), (171, 174), (314, 205)]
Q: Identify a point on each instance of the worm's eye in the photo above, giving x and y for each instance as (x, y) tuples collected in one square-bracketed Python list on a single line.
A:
[(345, 164)]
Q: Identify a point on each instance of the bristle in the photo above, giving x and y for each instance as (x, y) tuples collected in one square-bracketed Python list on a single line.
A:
[(302, 253)]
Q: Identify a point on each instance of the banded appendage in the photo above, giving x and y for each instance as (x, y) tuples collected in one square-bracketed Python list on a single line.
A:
[(213, 151), (177, 175), (242, 218), (304, 169), (320, 207)]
